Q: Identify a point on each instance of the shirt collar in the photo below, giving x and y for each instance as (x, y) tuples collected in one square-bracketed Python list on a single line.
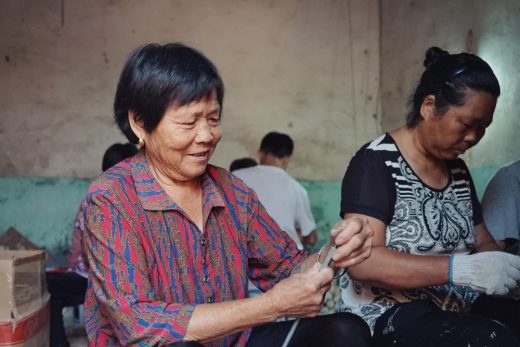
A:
[(154, 198)]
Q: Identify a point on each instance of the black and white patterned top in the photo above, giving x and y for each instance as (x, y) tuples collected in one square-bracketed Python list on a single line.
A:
[(419, 219)]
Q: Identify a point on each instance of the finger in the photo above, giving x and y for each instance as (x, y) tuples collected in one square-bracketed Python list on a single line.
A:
[(313, 269), (317, 277), (355, 253), (347, 234), (355, 243), (324, 291), (348, 227), (327, 287), (352, 255), (326, 275), (515, 260), (353, 261), (510, 283), (514, 273)]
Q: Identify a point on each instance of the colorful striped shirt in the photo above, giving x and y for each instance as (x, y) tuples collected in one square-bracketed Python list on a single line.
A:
[(150, 265)]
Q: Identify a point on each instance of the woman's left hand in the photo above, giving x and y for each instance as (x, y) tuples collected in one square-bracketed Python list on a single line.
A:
[(353, 240)]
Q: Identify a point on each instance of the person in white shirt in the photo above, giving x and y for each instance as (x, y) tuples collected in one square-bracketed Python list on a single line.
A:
[(501, 207), (282, 196)]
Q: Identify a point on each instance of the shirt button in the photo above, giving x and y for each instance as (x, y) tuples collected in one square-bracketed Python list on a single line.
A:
[(203, 242), (206, 279), (203, 261), (211, 300)]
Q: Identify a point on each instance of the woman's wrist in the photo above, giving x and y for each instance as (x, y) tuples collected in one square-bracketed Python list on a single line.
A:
[(272, 310)]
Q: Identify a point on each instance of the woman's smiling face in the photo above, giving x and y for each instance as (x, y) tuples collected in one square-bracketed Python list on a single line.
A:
[(180, 147)]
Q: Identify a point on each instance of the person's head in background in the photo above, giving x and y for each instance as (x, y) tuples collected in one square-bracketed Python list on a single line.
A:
[(116, 153), (242, 163), (169, 99), (276, 150), (454, 102)]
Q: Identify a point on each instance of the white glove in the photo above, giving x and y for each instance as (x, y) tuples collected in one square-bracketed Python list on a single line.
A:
[(494, 273)]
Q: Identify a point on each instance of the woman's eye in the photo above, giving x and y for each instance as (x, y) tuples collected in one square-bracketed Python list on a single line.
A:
[(466, 125), (214, 120)]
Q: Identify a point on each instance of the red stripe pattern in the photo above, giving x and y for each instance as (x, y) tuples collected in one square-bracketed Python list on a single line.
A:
[(150, 265)]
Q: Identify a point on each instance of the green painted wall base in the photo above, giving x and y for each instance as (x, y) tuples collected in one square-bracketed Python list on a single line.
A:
[(43, 209)]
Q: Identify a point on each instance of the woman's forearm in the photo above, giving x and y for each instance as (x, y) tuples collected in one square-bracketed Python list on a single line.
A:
[(210, 321), (394, 270)]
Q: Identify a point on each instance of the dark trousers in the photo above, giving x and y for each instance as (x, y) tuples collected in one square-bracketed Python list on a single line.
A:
[(339, 329), (66, 289), (422, 323)]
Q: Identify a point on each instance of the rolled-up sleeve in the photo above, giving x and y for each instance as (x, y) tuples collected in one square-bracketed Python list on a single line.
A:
[(121, 299)]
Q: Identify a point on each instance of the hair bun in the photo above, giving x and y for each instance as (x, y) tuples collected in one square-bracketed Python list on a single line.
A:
[(432, 55)]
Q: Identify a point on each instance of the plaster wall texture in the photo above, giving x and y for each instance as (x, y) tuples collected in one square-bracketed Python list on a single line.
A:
[(43, 209), (488, 28), (303, 67)]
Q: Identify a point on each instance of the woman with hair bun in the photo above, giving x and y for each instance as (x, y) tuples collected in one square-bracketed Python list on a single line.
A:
[(434, 266)]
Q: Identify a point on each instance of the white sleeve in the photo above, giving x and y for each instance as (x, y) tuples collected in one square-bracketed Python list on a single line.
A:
[(304, 219)]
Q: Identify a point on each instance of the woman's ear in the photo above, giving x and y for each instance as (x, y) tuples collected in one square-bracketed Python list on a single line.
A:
[(136, 125), (428, 109)]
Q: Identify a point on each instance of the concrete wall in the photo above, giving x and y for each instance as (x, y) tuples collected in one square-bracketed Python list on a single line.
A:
[(43, 209), (488, 28), (308, 68)]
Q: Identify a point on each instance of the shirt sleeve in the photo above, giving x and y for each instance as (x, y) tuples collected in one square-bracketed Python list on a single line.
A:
[(501, 206), (304, 219), (272, 253), (368, 187), (119, 278)]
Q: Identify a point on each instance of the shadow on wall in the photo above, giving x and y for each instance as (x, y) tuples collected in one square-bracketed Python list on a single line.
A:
[(43, 209)]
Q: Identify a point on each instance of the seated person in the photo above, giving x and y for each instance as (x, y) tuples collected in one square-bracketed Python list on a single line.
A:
[(68, 288), (432, 255), (283, 197), (501, 207), (171, 241), (242, 163)]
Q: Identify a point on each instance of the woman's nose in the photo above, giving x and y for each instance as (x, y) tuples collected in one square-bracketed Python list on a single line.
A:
[(204, 133), (474, 135)]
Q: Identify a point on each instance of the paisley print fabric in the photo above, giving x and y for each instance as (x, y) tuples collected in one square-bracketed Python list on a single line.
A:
[(419, 219)]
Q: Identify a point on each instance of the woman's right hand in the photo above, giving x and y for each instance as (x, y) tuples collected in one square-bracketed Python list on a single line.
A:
[(301, 294)]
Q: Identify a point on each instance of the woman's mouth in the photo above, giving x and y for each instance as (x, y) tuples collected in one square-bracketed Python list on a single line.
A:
[(200, 155)]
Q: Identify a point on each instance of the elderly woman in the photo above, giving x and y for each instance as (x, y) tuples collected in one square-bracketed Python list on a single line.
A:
[(171, 241), (432, 254)]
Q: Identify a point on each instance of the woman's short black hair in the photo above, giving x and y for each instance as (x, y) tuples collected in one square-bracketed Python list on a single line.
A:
[(448, 77), (116, 153), (157, 76)]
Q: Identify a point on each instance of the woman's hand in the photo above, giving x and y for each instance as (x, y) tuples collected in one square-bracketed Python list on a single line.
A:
[(353, 239), (301, 294)]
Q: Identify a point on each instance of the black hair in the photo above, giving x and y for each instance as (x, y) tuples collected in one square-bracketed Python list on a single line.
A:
[(116, 153), (242, 163), (158, 76), (278, 144), (448, 77)]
